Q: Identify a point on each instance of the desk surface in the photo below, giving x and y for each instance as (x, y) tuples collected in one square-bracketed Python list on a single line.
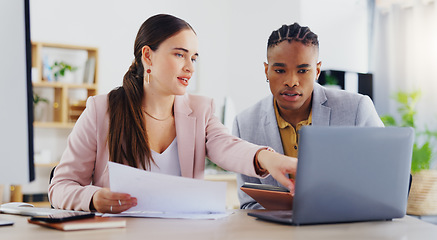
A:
[(236, 226)]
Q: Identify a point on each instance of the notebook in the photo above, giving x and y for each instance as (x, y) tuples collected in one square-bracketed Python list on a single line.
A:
[(349, 174), (84, 224)]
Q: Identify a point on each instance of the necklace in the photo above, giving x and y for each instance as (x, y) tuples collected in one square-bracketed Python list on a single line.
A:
[(158, 119)]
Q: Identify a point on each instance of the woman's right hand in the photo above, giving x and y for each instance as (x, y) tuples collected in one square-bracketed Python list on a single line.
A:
[(105, 201), (278, 165)]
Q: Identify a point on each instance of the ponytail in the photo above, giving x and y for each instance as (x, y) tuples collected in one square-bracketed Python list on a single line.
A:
[(127, 136)]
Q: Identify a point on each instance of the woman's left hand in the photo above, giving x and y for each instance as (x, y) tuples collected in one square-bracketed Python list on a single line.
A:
[(105, 201), (278, 166)]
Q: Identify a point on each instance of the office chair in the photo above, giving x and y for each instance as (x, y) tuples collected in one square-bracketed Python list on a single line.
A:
[(52, 172), (50, 179)]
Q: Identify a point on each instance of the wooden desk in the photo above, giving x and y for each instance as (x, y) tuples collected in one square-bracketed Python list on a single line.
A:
[(236, 226)]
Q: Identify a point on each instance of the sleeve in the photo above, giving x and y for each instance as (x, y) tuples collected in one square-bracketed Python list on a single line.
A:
[(227, 151), (366, 114), (246, 202), (71, 186)]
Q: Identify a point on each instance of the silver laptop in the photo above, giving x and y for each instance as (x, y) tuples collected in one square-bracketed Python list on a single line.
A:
[(349, 174)]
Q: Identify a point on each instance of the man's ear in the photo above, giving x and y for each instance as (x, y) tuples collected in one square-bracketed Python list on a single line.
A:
[(266, 69), (318, 67), (146, 55)]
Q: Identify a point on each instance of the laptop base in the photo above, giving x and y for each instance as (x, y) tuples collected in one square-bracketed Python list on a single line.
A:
[(278, 216)]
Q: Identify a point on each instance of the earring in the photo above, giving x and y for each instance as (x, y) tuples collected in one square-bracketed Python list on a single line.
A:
[(148, 75), (267, 80)]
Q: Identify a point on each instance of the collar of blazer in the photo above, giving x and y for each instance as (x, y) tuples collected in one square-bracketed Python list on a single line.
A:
[(185, 134), (321, 112)]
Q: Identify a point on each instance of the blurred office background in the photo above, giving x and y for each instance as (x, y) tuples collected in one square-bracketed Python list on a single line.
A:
[(393, 40)]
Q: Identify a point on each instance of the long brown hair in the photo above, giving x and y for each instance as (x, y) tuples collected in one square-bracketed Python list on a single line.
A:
[(127, 137)]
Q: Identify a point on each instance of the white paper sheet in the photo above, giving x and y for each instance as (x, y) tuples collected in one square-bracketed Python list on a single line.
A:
[(205, 216), (166, 196)]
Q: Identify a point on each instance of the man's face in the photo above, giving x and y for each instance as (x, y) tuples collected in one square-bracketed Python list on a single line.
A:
[(291, 70)]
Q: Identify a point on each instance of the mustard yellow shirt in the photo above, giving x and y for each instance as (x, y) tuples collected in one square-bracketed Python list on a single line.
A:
[(289, 135)]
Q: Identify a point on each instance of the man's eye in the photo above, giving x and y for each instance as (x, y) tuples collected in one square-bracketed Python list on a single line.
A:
[(303, 71), (280, 71)]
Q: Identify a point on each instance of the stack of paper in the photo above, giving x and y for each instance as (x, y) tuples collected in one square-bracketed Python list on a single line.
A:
[(166, 196)]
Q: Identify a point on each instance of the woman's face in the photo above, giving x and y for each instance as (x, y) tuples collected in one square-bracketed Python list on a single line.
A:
[(172, 64), (291, 70)]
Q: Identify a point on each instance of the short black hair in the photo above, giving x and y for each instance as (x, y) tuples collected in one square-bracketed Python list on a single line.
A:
[(293, 32)]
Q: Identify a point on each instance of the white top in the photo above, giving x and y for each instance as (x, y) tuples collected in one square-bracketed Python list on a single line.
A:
[(167, 162)]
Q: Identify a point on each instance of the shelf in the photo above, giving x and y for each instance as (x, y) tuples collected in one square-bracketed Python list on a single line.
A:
[(221, 177), (63, 85), (61, 125), (41, 204), (49, 165), (66, 95)]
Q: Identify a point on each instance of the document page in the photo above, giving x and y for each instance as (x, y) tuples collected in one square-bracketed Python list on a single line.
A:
[(166, 196)]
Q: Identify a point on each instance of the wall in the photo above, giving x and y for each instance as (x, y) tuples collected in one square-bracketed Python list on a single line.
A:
[(232, 40), (232, 36), (342, 26)]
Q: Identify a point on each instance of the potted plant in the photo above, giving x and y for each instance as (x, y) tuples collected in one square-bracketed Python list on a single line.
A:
[(38, 109), (331, 81), (423, 195), (62, 70)]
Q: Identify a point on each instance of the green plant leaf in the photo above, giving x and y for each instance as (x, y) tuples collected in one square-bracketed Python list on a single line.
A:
[(421, 157), (388, 120), (59, 68), (37, 99)]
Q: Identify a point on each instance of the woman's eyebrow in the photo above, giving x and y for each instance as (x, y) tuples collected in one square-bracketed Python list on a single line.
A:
[(184, 49)]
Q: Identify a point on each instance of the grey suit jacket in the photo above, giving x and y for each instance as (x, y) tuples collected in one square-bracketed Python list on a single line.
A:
[(330, 107)]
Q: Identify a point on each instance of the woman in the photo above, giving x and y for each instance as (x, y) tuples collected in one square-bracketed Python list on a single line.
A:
[(151, 123)]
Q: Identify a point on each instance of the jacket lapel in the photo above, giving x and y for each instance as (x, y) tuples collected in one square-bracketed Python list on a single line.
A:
[(269, 124), (185, 135), (321, 113)]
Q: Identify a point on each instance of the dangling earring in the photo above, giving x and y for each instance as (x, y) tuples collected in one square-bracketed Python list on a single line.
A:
[(148, 75)]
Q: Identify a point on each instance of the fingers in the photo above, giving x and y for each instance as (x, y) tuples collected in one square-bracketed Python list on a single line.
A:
[(119, 206), (106, 201), (278, 166), (285, 181)]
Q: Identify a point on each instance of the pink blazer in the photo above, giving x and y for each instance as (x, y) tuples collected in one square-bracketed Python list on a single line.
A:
[(83, 167)]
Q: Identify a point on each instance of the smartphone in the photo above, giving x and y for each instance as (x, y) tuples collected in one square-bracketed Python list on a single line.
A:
[(6, 223), (63, 217)]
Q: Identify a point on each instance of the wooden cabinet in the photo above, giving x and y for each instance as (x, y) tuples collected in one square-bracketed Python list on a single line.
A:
[(62, 109)]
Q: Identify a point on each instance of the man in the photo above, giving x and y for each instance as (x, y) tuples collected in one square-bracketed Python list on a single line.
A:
[(296, 100)]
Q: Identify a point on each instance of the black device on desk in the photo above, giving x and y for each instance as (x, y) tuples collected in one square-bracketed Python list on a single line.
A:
[(6, 223), (63, 217)]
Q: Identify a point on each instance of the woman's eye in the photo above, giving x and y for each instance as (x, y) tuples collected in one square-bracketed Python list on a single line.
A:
[(194, 60), (179, 55)]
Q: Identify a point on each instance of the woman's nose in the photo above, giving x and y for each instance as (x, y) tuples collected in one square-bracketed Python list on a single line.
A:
[(189, 66)]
